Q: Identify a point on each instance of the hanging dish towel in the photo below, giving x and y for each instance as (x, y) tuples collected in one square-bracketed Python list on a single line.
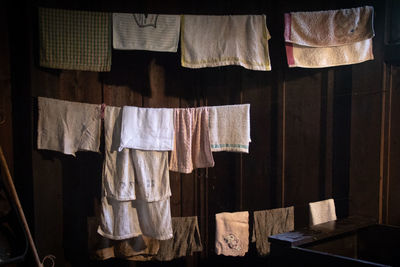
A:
[(75, 40), (322, 211), (230, 128), (118, 168), (147, 128), (185, 242), (211, 41), (151, 32), (271, 222), (68, 127), (232, 233), (329, 38), (127, 219), (191, 143)]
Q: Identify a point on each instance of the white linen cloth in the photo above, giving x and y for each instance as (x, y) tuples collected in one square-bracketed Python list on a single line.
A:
[(322, 211), (147, 128), (67, 126), (153, 32), (211, 41), (229, 128), (232, 233)]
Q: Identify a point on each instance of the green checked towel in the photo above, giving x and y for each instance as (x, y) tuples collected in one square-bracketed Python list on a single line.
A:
[(75, 40)]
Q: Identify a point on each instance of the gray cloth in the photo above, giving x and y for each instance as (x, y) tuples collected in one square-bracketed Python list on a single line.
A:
[(186, 239), (271, 222)]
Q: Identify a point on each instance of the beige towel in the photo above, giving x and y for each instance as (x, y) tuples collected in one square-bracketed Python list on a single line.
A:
[(329, 28), (232, 233), (191, 142), (147, 128), (68, 127), (136, 248), (185, 242), (271, 222), (322, 211), (146, 32), (127, 219), (321, 57), (230, 128), (211, 41)]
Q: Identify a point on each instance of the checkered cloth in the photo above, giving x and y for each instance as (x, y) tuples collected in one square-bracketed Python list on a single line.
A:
[(78, 40)]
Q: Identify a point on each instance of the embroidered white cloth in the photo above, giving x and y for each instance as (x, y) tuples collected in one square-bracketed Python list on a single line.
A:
[(322, 211), (229, 128), (153, 32), (147, 128), (211, 41), (68, 127), (232, 233), (329, 38)]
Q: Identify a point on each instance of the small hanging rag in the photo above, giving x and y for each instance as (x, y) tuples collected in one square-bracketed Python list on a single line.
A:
[(151, 32), (212, 41), (329, 38), (322, 211), (68, 127)]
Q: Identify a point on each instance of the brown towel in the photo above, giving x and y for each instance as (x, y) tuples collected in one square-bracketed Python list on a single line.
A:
[(186, 240), (138, 248), (271, 222), (191, 141)]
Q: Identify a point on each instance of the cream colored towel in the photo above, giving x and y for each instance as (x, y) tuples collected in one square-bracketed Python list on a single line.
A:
[(127, 219), (232, 233), (329, 28), (230, 128), (118, 168), (146, 32), (211, 41), (321, 57), (68, 127), (147, 128), (271, 222), (191, 143), (322, 211)]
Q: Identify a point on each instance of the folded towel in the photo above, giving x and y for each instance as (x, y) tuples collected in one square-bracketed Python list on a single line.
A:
[(127, 219), (191, 143), (76, 40), (322, 211), (271, 222), (147, 128), (118, 168), (211, 41), (230, 128), (136, 248), (146, 32), (329, 28), (232, 233), (321, 57), (185, 242), (68, 127)]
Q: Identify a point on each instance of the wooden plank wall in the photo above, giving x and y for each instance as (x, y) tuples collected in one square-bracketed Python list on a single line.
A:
[(316, 133)]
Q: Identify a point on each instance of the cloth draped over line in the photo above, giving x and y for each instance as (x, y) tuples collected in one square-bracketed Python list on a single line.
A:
[(329, 38), (212, 41)]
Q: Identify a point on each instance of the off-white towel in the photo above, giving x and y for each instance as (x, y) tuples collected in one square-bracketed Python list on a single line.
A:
[(232, 233), (321, 57), (68, 127), (230, 128), (271, 222), (329, 28), (127, 219), (147, 128), (146, 32), (322, 211), (211, 41), (118, 168)]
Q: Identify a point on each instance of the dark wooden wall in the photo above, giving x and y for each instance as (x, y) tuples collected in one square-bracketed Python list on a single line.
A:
[(316, 133)]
